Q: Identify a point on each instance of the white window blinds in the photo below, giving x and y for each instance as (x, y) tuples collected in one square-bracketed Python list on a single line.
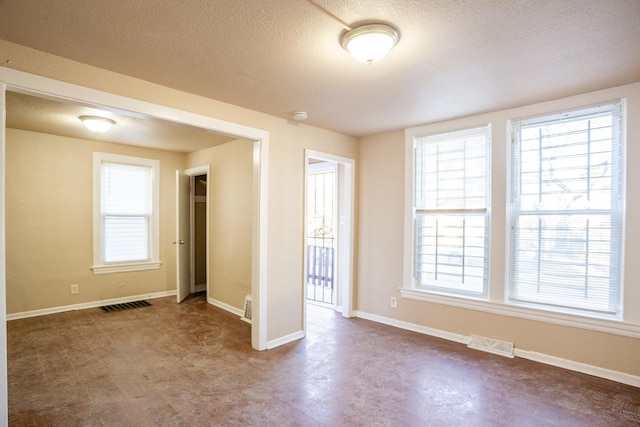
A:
[(126, 211), (566, 210), (451, 208)]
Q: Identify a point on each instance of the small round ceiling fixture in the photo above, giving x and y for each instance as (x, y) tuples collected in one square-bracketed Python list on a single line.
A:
[(96, 123), (299, 116), (370, 43)]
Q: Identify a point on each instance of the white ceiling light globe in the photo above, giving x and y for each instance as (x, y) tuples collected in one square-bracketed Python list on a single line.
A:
[(97, 124), (370, 43)]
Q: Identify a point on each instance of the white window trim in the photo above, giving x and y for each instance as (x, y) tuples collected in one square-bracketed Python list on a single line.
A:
[(628, 326), (408, 279), (98, 266), (621, 103), (484, 295)]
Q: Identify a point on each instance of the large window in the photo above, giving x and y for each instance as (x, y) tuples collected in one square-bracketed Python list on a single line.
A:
[(560, 250), (451, 212), (125, 213), (567, 211)]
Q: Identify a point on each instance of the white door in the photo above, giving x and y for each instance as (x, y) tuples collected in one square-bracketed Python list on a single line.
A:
[(183, 263)]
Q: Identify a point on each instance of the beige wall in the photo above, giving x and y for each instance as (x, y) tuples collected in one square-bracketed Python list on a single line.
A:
[(230, 209), (49, 223), (380, 261), (380, 232), (286, 160), (286, 217)]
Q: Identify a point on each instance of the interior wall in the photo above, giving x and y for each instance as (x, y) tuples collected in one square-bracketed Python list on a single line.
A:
[(380, 264), (230, 217), (49, 223), (286, 217)]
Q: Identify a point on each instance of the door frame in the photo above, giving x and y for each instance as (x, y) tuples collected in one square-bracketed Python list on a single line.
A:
[(31, 84), (345, 236), (192, 173)]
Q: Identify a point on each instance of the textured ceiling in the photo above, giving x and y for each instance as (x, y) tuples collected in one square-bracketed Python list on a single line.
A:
[(454, 58)]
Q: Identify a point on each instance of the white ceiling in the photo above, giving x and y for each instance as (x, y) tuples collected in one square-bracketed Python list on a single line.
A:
[(455, 58)]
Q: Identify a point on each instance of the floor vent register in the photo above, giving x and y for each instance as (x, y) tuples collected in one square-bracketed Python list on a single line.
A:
[(124, 306)]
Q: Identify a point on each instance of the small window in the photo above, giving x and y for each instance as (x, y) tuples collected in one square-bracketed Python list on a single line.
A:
[(567, 211), (125, 213), (451, 212)]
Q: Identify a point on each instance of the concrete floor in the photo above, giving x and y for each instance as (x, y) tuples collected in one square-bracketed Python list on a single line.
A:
[(192, 365)]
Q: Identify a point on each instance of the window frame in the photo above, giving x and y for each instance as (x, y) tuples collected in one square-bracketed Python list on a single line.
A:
[(421, 213), (99, 266), (616, 210)]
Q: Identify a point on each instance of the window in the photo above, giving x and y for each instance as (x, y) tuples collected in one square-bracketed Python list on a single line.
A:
[(567, 211), (556, 230), (125, 213), (451, 212)]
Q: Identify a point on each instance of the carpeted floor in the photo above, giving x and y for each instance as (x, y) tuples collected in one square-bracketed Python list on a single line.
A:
[(192, 365)]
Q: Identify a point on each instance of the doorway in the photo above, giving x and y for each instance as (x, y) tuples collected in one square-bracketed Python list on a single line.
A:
[(199, 233), (192, 232), (328, 234), (321, 231)]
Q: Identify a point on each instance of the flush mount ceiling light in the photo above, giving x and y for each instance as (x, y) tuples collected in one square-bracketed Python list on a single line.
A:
[(366, 43), (96, 123), (370, 43)]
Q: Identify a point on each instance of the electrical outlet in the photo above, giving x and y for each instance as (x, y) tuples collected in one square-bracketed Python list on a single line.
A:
[(394, 302), (74, 289)]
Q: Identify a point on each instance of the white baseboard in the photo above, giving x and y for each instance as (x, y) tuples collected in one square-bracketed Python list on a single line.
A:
[(413, 327), (571, 365), (201, 288), (240, 313), (85, 305), (226, 307), (285, 339)]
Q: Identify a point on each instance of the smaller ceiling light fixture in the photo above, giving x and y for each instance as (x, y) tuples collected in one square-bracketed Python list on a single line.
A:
[(370, 43), (96, 123)]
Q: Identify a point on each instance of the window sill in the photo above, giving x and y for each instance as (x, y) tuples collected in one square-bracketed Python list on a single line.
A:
[(601, 325), (124, 268)]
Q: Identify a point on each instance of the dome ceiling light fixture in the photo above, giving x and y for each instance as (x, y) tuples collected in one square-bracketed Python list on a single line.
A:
[(366, 43), (370, 43), (97, 124)]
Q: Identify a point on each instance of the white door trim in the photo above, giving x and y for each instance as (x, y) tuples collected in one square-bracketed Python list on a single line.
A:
[(346, 199), (4, 401), (27, 83)]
